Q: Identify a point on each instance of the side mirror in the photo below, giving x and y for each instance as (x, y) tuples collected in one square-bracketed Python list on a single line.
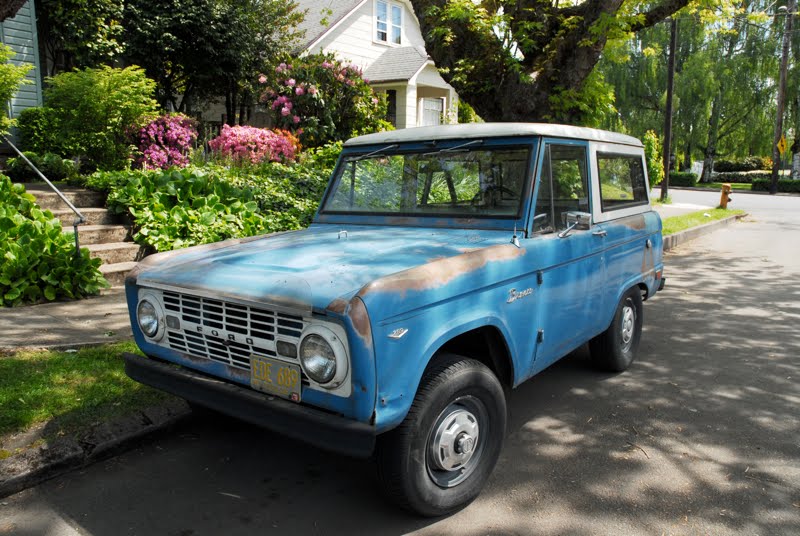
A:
[(576, 220)]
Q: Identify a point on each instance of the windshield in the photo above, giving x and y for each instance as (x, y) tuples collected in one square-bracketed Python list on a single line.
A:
[(457, 182)]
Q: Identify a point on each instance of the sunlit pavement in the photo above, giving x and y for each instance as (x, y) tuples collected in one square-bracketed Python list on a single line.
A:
[(700, 436)]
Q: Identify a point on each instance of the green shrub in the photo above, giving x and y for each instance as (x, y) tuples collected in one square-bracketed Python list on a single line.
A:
[(751, 163), (51, 165), (179, 208), (467, 114), (93, 110), (37, 128), (39, 261), (652, 155), (784, 185), (682, 178), (740, 177)]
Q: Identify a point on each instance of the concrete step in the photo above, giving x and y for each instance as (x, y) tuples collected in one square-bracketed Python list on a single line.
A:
[(100, 234), (115, 273), (48, 199), (94, 216), (115, 252)]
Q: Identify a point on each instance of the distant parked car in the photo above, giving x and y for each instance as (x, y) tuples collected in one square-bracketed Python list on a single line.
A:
[(444, 266)]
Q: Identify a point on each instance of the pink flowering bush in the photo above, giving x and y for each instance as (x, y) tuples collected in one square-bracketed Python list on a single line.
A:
[(165, 142), (322, 99), (244, 144)]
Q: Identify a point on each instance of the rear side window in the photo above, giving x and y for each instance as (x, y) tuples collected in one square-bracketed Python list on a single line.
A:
[(622, 183)]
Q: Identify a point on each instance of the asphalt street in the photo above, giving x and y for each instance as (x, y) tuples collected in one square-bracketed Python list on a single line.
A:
[(700, 436)]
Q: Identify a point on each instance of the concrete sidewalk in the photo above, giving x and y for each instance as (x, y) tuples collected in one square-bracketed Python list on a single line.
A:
[(59, 325)]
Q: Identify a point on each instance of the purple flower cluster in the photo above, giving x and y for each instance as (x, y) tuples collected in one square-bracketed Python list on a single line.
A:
[(254, 145), (166, 142)]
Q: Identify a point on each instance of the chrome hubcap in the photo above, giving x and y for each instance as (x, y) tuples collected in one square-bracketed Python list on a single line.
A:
[(628, 323), (454, 446)]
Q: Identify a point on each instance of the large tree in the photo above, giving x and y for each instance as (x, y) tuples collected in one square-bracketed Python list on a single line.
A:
[(529, 60), (201, 49)]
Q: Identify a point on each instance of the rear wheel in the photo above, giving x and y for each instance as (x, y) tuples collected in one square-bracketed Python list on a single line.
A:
[(440, 457), (615, 349)]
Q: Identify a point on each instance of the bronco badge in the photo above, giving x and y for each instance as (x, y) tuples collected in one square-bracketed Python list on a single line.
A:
[(514, 294)]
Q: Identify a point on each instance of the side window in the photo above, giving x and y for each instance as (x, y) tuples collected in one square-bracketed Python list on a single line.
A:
[(563, 187), (622, 181)]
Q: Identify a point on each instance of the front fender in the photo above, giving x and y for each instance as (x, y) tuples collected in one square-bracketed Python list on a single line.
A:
[(401, 362)]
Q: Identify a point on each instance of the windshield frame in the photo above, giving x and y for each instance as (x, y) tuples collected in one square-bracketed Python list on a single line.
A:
[(476, 221)]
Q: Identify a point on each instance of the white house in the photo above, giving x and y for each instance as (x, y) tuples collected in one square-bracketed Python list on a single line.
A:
[(384, 39)]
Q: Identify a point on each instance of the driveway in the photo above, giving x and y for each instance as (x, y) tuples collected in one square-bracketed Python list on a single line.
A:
[(700, 436)]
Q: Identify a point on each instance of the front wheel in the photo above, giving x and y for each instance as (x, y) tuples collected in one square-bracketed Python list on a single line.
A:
[(615, 349), (441, 455)]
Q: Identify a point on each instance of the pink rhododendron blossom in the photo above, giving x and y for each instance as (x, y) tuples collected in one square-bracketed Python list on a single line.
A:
[(312, 90), (291, 82), (285, 111), (374, 100), (254, 145), (299, 91), (262, 79), (165, 142), (295, 119)]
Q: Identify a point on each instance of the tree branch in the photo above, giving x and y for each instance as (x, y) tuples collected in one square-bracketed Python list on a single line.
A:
[(659, 13)]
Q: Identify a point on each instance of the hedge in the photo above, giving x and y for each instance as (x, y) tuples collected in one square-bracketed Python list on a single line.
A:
[(740, 177), (784, 185), (682, 178), (751, 163)]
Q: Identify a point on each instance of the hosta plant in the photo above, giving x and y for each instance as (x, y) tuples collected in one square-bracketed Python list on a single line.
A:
[(38, 258)]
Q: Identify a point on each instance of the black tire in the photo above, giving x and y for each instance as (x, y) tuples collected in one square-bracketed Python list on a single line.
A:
[(457, 397), (615, 349)]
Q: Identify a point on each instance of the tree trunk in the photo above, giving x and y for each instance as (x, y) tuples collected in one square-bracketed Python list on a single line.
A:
[(713, 131)]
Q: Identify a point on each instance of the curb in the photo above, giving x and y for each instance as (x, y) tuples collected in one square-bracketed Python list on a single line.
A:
[(43, 462), (674, 240)]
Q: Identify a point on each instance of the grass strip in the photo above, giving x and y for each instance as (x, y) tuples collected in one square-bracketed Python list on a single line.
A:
[(69, 390), (675, 224), (746, 186)]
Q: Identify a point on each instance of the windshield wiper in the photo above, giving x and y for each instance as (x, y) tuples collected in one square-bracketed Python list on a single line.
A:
[(457, 148), (376, 152)]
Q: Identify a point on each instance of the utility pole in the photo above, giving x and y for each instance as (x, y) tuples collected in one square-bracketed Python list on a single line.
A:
[(673, 44), (776, 155)]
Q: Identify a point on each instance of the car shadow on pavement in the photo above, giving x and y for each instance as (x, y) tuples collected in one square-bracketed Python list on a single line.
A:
[(700, 436)]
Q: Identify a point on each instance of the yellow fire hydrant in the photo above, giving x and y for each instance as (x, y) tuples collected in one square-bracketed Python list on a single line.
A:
[(725, 196)]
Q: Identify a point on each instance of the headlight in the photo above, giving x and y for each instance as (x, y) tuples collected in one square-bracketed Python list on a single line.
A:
[(150, 318), (323, 356), (318, 358)]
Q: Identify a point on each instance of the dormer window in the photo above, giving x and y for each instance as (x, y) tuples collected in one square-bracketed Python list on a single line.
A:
[(388, 22)]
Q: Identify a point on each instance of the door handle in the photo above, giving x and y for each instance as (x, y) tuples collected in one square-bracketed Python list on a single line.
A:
[(600, 232)]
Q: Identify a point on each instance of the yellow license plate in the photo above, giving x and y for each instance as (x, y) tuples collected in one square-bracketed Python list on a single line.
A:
[(275, 377)]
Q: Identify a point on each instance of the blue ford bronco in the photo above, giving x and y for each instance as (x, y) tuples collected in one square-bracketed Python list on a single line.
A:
[(445, 266)]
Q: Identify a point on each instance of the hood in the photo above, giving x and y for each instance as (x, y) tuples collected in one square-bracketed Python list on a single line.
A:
[(309, 268)]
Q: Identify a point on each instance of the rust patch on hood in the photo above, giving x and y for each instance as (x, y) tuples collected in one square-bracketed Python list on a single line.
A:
[(441, 272), (338, 306), (357, 312)]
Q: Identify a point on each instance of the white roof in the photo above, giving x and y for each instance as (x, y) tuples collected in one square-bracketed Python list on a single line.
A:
[(492, 130)]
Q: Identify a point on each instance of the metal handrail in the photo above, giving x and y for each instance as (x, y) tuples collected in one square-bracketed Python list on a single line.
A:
[(79, 218)]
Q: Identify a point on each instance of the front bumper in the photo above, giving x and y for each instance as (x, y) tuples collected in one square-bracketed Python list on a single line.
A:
[(323, 430)]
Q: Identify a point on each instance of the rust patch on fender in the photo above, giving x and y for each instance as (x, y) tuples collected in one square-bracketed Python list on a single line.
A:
[(357, 312), (338, 306), (441, 272)]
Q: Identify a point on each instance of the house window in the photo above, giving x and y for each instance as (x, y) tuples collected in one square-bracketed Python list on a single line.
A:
[(388, 22), (432, 111)]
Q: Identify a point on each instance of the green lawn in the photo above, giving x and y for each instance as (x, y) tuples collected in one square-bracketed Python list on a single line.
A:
[(71, 390), (675, 224)]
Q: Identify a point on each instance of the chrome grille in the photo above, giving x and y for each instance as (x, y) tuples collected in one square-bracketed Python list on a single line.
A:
[(227, 332)]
